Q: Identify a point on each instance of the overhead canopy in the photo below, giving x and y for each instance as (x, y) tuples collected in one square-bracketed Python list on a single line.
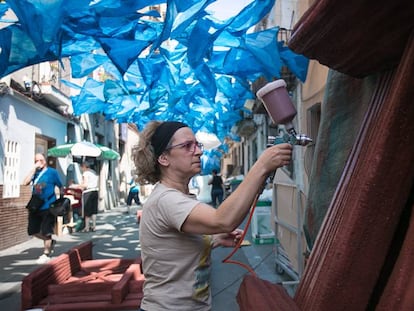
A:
[(189, 66)]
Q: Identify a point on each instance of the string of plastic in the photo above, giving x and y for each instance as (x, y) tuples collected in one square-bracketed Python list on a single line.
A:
[(236, 248)]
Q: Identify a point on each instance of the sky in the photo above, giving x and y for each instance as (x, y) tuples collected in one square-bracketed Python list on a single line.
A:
[(226, 8)]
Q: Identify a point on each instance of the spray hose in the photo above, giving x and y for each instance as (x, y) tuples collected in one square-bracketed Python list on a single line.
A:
[(227, 259), (293, 139)]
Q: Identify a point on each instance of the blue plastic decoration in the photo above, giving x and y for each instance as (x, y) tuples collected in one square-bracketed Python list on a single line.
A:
[(189, 66)]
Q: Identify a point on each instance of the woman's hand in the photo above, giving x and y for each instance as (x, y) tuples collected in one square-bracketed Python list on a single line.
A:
[(276, 156), (227, 239)]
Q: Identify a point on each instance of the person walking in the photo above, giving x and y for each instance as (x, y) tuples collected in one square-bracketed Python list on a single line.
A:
[(133, 193), (217, 189), (90, 190), (41, 223), (178, 232)]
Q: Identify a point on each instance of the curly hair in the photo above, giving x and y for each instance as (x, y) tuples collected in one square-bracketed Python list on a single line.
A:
[(144, 158)]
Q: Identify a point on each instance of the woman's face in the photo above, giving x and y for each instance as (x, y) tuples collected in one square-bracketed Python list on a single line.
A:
[(184, 153)]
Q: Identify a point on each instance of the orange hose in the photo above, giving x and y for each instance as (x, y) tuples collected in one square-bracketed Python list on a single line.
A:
[(227, 259)]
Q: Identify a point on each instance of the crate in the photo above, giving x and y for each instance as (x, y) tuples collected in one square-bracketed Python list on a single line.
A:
[(261, 231)]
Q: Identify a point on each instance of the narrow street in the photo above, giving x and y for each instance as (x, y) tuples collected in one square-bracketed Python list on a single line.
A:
[(117, 237)]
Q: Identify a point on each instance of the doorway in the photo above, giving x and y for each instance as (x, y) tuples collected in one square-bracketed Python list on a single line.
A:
[(42, 144)]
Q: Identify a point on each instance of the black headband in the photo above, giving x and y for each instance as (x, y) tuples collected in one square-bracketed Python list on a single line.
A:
[(163, 134)]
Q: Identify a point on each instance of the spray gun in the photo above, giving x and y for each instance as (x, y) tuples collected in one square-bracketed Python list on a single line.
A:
[(280, 108)]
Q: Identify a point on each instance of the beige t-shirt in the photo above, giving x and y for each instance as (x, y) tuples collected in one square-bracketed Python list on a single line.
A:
[(176, 265)]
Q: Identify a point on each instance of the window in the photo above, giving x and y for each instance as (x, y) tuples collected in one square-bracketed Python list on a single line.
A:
[(314, 120), (11, 187), (86, 135), (71, 131), (254, 151)]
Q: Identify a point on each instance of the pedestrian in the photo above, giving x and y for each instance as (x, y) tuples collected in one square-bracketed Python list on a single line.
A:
[(41, 223), (217, 189), (133, 193), (178, 232), (90, 190)]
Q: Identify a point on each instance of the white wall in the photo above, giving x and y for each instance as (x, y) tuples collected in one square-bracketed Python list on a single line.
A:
[(21, 119)]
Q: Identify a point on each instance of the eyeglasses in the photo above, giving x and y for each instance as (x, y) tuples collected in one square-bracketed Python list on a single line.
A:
[(189, 146)]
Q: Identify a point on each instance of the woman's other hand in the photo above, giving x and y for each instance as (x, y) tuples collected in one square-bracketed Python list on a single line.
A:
[(227, 239)]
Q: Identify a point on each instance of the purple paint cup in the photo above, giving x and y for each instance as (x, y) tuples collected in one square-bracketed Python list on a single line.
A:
[(277, 102)]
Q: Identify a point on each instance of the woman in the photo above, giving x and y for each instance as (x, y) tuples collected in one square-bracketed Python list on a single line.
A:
[(133, 193), (177, 232), (217, 189), (90, 196)]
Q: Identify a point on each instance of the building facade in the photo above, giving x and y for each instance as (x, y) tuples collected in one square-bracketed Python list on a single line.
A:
[(36, 116)]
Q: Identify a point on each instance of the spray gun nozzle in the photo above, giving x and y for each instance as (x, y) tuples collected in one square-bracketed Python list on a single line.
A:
[(293, 139), (303, 140)]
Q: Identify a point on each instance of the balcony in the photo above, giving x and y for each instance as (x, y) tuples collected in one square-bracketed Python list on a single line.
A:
[(45, 94)]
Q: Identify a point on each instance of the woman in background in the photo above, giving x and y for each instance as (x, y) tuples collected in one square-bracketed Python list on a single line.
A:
[(89, 187), (217, 189), (133, 193)]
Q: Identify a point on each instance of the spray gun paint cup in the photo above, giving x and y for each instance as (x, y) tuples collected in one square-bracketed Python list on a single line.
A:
[(281, 110), (277, 102)]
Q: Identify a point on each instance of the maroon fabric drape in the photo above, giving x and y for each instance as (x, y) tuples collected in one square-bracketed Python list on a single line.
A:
[(351, 249), (257, 294), (355, 37)]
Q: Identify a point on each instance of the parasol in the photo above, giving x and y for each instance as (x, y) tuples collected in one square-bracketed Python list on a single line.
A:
[(83, 149)]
